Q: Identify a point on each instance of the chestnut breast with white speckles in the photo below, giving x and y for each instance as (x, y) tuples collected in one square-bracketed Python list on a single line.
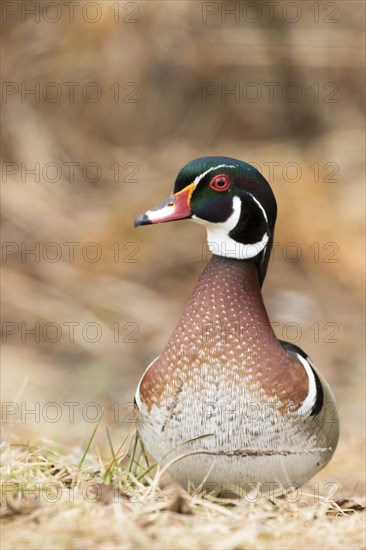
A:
[(224, 386), (224, 338)]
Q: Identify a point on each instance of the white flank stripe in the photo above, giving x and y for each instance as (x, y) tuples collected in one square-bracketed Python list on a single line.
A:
[(311, 397), (137, 394)]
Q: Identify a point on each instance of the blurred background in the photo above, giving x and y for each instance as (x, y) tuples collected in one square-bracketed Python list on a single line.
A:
[(102, 104)]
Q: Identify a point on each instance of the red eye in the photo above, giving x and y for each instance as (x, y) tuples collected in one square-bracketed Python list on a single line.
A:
[(220, 183)]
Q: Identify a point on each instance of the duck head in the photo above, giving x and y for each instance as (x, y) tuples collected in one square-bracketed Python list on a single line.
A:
[(232, 199)]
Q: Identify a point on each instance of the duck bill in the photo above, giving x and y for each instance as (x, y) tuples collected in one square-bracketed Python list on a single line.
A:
[(176, 207)]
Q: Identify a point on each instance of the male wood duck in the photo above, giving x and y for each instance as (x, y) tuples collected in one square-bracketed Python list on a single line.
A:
[(254, 408)]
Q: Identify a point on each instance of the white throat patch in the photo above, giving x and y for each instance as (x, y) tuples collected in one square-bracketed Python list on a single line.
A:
[(221, 244)]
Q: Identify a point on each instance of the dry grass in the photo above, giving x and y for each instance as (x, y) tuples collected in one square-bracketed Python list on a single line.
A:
[(50, 501)]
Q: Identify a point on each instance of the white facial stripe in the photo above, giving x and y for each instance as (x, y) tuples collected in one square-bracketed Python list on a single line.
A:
[(260, 206), (311, 397), (221, 244), (201, 176), (167, 211)]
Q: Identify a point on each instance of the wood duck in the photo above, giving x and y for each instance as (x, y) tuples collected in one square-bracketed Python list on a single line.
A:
[(254, 409)]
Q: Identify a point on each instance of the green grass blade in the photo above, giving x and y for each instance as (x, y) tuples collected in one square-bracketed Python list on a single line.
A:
[(91, 439)]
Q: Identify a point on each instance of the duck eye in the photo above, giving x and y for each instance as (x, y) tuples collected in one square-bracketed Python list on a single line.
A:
[(220, 183)]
